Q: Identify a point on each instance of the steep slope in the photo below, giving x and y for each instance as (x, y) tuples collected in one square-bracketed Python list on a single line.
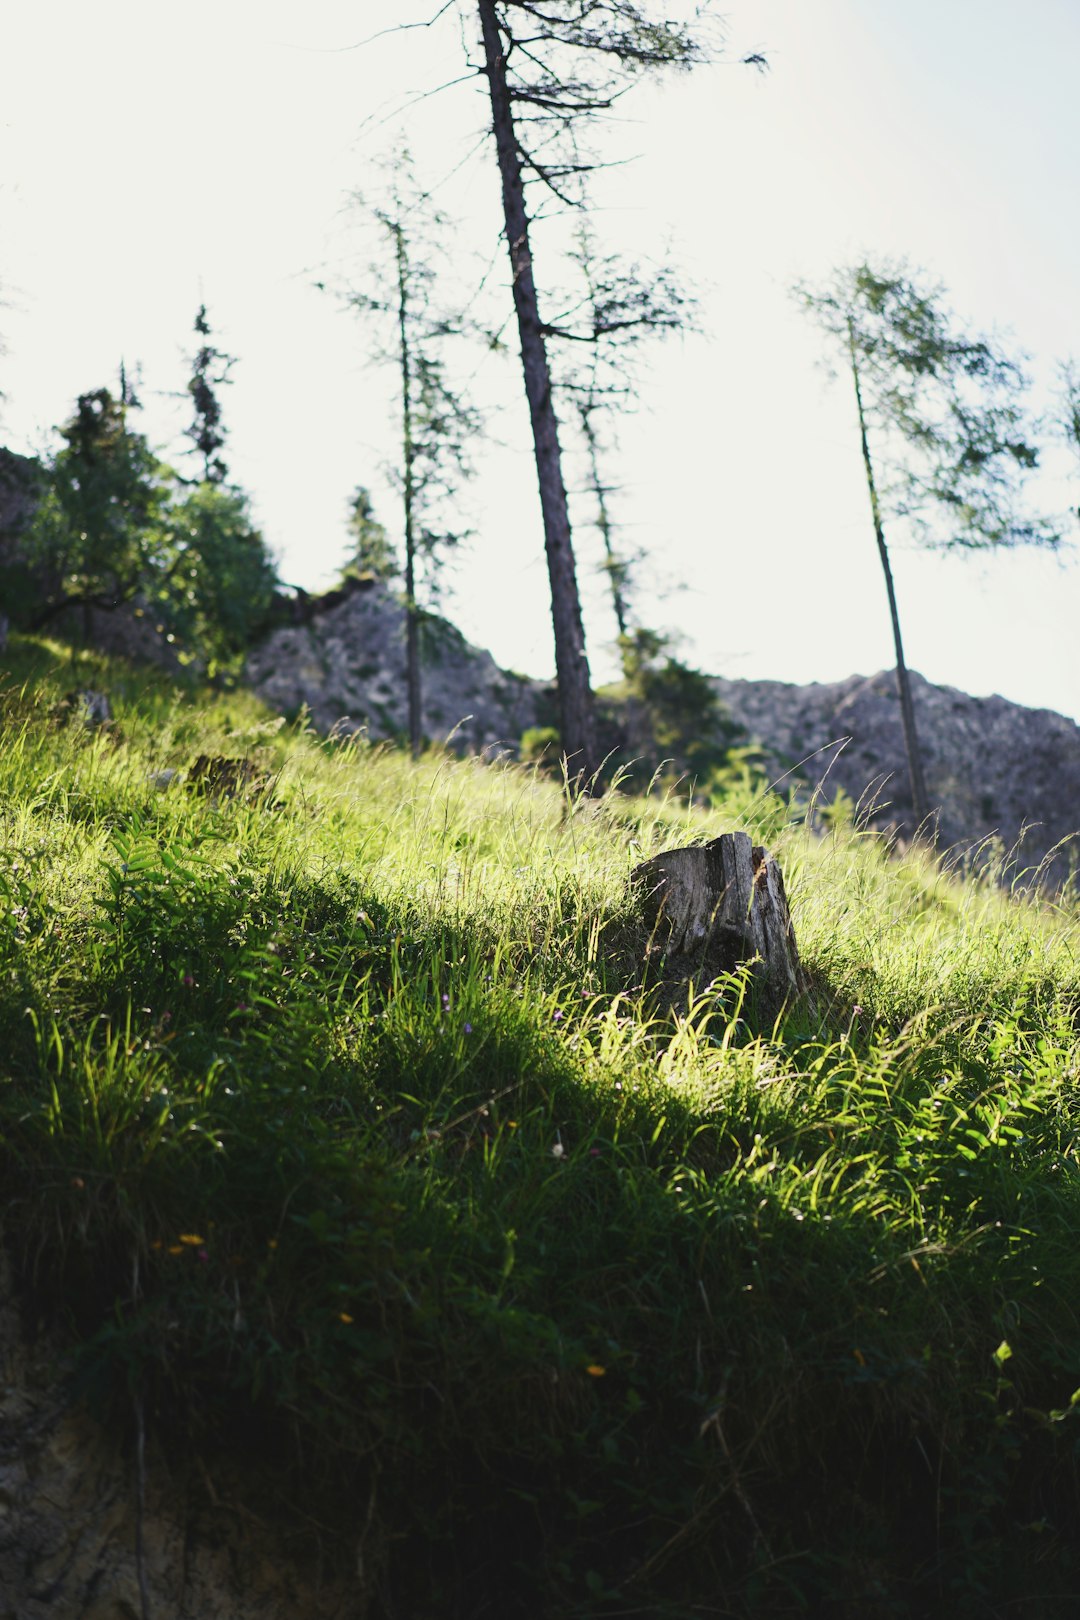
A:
[(998, 771)]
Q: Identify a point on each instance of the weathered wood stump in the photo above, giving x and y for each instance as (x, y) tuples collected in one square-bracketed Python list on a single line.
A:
[(708, 908)]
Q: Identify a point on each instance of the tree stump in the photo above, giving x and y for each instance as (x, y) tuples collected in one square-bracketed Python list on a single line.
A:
[(709, 908)]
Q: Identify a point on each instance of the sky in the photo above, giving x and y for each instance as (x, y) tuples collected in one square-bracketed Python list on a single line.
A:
[(155, 157)]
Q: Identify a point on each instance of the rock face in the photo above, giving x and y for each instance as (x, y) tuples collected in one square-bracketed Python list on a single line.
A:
[(347, 665), (77, 1544), (126, 631), (19, 486), (996, 770)]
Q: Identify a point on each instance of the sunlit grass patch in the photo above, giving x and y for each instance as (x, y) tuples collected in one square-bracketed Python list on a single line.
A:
[(338, 1113)]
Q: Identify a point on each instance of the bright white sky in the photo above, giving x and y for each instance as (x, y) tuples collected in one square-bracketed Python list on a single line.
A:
[(155, 156)]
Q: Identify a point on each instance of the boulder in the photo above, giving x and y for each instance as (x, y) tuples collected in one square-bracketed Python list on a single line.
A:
[(346, 666)]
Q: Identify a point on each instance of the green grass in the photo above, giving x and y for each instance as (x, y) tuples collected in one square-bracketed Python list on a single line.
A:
[(337, 1129)]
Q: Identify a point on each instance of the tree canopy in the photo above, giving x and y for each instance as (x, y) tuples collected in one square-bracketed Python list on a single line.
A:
[(945, 434), (98, 530)]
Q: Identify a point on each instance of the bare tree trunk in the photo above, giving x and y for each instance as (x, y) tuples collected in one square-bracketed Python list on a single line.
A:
[(577, 721), (919, 797), (613, 566), (412, 636)]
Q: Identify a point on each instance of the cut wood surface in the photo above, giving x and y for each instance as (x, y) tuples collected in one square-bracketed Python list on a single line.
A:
[(712, 906)]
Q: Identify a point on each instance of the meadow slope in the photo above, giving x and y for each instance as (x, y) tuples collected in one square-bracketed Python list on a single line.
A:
[(338, 1132)]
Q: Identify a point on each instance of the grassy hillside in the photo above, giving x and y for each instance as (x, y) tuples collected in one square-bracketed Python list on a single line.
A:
[(334, 1129)]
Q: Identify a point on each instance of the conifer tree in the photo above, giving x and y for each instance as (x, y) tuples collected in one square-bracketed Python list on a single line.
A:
[(371, 551), (553, 68), (221, 576), (98, 531), (210, 371), (612, 309), (945, 439), (438, 426)]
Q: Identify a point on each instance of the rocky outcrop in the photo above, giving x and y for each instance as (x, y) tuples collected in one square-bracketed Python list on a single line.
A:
[(84, 1537), (1003, 777), (20, 482), (346, 666), (997, 771)]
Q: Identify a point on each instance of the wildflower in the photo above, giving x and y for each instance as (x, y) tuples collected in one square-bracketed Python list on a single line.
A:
[(594, 1153), (345, 1317), (188, 981), (557, 1014), (558, 1151), (468, 1029), (594, 1370), (203, 1256), (191, 1239), (445, 1000), (271, 1243), (176, 1248)]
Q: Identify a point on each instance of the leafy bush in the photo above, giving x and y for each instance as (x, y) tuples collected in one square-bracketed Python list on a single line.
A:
[(98, 528), (113, 525), (217, 585)]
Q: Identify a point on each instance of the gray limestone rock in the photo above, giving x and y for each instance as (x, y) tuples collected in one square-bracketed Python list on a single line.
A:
[(82, 1538), (1002, 776), (346, 665)]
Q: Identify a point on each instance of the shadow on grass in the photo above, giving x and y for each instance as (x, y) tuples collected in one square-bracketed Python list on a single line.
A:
[(561, 1316)]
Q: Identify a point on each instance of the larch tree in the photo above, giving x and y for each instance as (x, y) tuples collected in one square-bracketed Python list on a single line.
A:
[(945, 438), (438, 425), (1067, 418), (553, 68), (614, 307)]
